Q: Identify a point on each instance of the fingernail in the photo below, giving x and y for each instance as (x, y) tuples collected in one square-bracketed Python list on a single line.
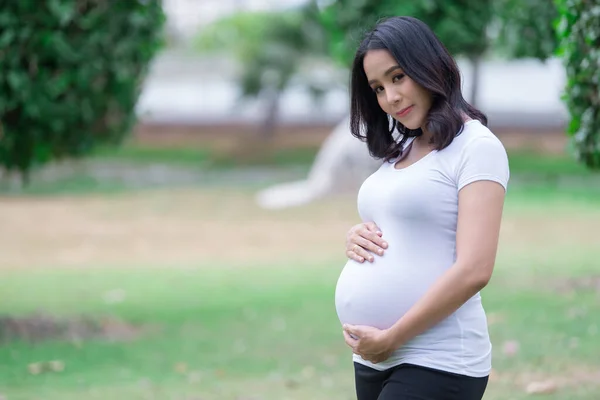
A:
[(385, 244), (361, 259), (380, 251)]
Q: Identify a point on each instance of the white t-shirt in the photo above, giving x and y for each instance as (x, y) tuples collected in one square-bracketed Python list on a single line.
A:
[(416, 208)]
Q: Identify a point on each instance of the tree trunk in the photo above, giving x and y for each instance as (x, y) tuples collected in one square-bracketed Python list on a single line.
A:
[(270, 122)]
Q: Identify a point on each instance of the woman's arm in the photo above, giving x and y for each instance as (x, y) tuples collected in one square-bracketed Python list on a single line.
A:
[(480, 206)]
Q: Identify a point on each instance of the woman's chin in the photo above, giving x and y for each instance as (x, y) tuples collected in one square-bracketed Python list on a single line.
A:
[(412, 125)]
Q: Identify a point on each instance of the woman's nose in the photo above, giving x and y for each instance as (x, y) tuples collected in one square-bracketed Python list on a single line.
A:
[(393, 97)]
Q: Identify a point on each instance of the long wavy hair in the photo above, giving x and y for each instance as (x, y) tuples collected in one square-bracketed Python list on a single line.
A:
[(424, 58)]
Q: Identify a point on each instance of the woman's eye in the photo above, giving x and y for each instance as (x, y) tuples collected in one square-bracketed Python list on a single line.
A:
[(378, 89), (398, 77)]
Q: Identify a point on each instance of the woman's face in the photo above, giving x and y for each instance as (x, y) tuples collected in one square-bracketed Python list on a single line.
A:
[(397, 94)]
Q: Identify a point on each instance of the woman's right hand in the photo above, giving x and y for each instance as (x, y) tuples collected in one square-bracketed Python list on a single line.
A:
[(364, 240)]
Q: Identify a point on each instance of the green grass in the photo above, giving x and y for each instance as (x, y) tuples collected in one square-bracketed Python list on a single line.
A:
[(271, 331), (268, 328), (521, 161), (192, 157), (77, 183), (179, 166), (206, 157), (202, 316)]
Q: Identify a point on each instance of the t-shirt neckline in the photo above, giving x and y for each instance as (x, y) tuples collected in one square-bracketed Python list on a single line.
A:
[(426, 156)]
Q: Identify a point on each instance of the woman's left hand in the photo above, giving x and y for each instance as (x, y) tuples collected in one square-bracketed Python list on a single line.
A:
[(372, 344)]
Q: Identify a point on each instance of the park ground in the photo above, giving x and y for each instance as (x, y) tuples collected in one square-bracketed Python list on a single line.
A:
[(150, 273)]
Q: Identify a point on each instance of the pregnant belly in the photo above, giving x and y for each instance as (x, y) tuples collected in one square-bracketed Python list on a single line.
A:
[(375, 294)]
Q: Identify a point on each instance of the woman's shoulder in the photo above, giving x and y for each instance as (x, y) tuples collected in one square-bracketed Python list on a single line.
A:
[(477, 153), (474, 129), (473, 132)]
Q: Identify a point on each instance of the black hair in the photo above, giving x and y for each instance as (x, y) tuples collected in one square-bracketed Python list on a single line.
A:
[(424, 59)]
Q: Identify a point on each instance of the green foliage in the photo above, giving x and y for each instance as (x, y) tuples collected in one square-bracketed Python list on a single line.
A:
[(461, 24), (579, 32), (238, 33), (526, 28), (70, 75), (269, 45)]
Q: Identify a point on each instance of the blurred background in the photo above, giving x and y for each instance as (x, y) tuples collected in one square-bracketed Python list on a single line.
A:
[(178, 178)]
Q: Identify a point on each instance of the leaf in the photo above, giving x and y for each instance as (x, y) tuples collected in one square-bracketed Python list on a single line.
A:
[(56, 365), (35, 368), (63, 10), (16, 79), (543, 387), (510, 348), (7, 37), (181, 368)]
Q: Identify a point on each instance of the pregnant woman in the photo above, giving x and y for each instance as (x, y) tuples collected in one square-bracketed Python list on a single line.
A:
[(408, 298)]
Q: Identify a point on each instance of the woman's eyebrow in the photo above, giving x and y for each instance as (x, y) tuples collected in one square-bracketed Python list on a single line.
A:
[(387, 72)]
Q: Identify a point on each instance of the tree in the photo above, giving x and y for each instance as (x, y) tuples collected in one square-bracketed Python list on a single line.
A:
[(525, 29), (460, 24), (579, 33), (70, 76), (343, 160), (272, 47)]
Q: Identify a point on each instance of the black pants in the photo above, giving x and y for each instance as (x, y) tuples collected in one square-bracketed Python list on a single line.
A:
[(412, 382)]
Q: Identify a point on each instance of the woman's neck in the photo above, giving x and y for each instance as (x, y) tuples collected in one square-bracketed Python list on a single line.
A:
[(426, 138)]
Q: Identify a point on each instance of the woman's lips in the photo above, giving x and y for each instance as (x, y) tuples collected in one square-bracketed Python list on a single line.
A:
[(405, 111)]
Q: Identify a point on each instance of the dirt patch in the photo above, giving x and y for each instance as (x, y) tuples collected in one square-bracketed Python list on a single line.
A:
[(568, 378), (572, 285), (533, 229), (38, 328), (217, 227), (228, 136), (168, 228)]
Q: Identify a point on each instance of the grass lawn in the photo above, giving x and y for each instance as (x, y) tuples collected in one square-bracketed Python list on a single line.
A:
[(221, 300), (272, 332)]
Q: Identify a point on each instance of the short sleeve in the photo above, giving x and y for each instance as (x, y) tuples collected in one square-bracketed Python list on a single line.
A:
[(484, 158)]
